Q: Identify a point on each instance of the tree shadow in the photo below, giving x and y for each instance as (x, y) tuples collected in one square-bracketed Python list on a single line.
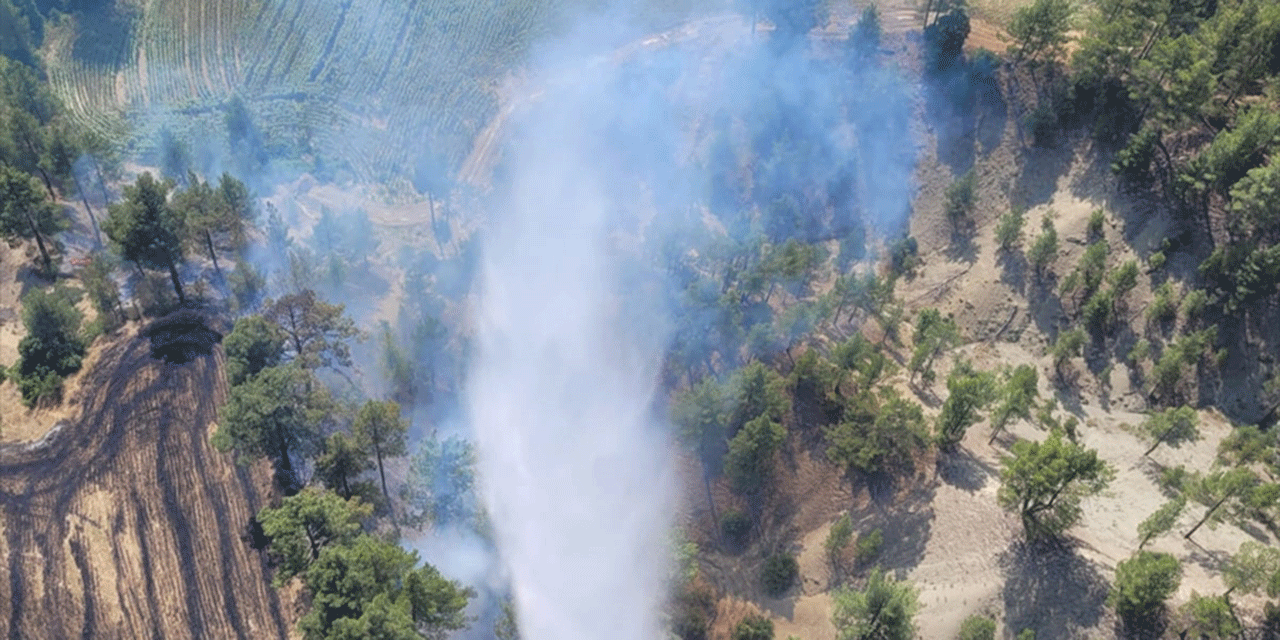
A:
[(1013, 269), (950, 111), (962, 248), (905, 520), (992, 116), (1038, 174), (965, 471), (1050, 589)]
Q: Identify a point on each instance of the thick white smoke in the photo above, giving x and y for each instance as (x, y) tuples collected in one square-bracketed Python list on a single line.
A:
[(575, 475)]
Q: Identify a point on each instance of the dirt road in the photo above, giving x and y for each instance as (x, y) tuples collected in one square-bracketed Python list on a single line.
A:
[(126, 523)]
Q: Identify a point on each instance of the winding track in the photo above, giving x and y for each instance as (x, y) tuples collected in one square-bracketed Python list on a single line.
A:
[(127, 523)]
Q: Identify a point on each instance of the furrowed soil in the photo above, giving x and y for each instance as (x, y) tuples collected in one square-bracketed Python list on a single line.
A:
[(124, 522)]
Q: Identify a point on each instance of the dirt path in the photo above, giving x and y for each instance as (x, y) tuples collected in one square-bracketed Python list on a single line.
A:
[(126, 523)]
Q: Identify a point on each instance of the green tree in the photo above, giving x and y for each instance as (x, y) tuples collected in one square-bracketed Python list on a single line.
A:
[(1070, 344), (753, 627), (837, 541), (317, 331), (222, 213), (304, 524), (960, 198), (977, 627), (1254, 567), (778, 573), (1211, 617), (883, 610), (253, 345), (380, 429), (934, 334), (1044, 482), (342, 460), (52, 347), (699, 413), (970, 391), (1161, 521), (1009, 228), (440, 489), (1039, 30), (146, 230), (277, 414), (102, 289), (877, 436), (347, 578), (1044, 250), (1172, 427), (1143, 583), (749, 461), (25, 213), (1017, 399), (1228, 488), (757, 391)]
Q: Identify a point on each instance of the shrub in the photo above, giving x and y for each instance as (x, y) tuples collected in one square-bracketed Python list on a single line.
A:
[(1193, 304), (1211, 616), (778, 574), (1163, 307), (1143, 583), (977, 627), (694, 604), (904, 255), (754, 627), (53, 346), (868, 547), (735, 527), (838, 538), (1027, 634), (1140, 351), (1156, 261)]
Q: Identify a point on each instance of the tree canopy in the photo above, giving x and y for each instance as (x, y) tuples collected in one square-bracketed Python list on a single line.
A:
[(304, 524), (1044, 482), (146, 230), (884, 609), (26, 213)]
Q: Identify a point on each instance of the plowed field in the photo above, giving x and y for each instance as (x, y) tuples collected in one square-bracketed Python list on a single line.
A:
[(125, 522)]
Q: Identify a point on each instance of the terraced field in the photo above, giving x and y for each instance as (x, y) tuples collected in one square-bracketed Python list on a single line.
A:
[(361, 79), (372, 82), (126, 523)]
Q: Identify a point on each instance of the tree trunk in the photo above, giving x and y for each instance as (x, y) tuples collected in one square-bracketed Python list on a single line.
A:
[(44, 253), (208, 239), (106, 199), (97, 234), (177, 282), (377, 452), (1187, 535)]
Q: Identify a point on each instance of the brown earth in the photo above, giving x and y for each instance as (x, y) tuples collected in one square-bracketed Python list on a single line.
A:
[(125, 522)]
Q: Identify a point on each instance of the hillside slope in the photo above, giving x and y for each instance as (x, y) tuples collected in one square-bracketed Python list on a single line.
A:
[(125, 522)]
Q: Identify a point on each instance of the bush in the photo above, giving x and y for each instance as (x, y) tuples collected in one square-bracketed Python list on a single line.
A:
[(778, 574), (53, 347), (1163, 307), (1096, 219), (1211, 616), (904, 255), (868, 547), (1193, 304), (1143, 583), (754, 627), (977, 627), (1155, 262), (735, 527), (693, 607), (839, 537)]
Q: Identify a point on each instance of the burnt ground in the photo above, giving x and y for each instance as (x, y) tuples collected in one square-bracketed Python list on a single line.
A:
[(125, 522)]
